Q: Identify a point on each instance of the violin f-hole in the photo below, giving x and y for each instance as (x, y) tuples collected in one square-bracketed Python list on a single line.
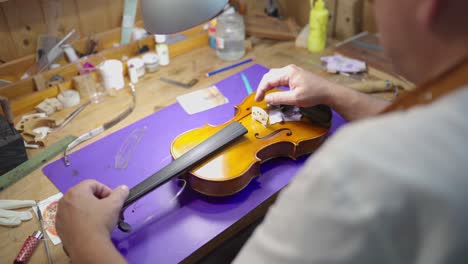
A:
[(272, 134)]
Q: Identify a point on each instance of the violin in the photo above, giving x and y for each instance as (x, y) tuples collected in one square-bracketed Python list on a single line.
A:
[(222, 160)]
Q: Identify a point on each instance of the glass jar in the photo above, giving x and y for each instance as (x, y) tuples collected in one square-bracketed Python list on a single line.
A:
[(230, 35)]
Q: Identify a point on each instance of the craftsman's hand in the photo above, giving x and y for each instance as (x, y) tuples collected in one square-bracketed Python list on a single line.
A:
[(86, 216), (306, 88)]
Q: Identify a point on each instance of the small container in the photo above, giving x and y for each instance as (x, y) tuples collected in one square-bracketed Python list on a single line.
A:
[(162, 49), (111, 72), (318, 23), (132, 74), (151, 61), (70, 52), (230, 36), (88, 87), (139, 66)]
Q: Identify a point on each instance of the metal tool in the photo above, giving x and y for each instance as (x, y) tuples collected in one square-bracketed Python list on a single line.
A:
[(91, 134), (41, 223), (70, 117), (35, 162), (190, 84)]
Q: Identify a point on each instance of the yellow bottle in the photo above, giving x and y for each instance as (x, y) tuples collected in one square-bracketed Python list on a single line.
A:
[(318, 22)]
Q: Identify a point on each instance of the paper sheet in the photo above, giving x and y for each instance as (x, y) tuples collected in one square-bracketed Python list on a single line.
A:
[(202, 100), (49, 209)]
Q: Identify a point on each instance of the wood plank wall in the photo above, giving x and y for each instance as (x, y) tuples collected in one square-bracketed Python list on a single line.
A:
[(347, 17), (22, 21)]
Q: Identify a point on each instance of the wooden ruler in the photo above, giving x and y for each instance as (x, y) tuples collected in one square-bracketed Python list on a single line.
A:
[(35, 162)]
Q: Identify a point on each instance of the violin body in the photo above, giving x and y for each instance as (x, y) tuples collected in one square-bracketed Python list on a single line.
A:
[(233, 167)]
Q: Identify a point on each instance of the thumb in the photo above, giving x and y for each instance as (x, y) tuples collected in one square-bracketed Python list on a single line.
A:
[(277, 98), (119, 195)]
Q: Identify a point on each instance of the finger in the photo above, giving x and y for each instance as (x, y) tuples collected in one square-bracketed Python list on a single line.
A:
[(287, 97), (273, 79), (119, 195), (96, 188)]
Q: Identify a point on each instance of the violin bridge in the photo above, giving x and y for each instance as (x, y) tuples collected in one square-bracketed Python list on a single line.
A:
[(260, 115)]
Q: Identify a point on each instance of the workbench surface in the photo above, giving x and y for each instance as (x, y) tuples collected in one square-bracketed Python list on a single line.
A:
[(152, 95)]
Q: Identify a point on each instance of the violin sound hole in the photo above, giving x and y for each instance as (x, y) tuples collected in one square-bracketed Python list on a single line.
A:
[(272, 134)]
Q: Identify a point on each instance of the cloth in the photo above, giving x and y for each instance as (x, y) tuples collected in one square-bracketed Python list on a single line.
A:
[(390, 189), (338, 63)]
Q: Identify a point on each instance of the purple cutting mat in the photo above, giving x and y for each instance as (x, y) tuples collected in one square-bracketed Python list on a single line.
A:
[(164, 230)]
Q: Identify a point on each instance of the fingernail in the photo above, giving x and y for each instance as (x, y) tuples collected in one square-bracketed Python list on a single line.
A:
[(268, 98), (124, 187)]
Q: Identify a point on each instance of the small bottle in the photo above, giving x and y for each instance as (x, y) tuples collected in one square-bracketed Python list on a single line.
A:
[(162, 49), (230, 36), (212, 33), (318, 22)]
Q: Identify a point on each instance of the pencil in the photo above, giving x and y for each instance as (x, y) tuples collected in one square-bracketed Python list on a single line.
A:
[(229, 67)]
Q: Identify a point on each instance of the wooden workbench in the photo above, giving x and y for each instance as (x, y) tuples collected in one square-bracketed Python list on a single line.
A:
[(152, 95)]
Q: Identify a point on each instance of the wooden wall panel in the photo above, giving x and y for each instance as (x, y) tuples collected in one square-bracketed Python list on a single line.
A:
[(69, 18), (26, 22), (115, 12), (94, 16), (7, 45), (348, 18), (22, 21), (368, 23)]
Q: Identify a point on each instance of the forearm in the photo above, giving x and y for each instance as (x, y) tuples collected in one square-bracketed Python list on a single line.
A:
[(95, 250), (354, 105)]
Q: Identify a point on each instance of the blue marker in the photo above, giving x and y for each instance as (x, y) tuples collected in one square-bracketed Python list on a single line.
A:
[(246, 84)]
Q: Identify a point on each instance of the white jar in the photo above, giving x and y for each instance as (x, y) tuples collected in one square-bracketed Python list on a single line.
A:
[(230, 36)]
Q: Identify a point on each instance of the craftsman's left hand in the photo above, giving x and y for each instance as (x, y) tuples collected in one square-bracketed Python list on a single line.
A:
[(88, 211)]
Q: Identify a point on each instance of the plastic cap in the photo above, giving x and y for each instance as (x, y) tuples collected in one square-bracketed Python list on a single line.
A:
[(319, 4), (137, 62), (160, 38), (229, 11), (150, 58)]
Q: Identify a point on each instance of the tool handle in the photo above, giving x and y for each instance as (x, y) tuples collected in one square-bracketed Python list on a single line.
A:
[(6, 109), (372, 86), (27, 250)]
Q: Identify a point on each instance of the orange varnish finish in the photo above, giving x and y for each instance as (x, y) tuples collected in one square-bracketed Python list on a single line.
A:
[(231, 169)]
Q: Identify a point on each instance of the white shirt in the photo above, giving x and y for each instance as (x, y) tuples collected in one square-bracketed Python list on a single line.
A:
[(390, 189)]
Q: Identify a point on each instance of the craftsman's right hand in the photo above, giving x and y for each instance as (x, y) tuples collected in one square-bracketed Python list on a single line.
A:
[(305, 88), (88, 212)]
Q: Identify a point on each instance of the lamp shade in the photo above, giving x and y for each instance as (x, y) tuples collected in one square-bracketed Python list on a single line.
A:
[(170, 16)]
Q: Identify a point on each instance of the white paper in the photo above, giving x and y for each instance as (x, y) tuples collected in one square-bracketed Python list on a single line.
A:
[(49, 208)]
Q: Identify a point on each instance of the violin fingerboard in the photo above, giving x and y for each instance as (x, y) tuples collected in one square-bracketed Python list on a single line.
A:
[(191, 158)]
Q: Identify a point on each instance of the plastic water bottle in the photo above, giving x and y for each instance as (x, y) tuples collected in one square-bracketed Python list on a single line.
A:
[(230, 36)]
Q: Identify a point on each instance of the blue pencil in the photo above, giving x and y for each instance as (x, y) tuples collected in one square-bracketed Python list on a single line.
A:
[(246, 84), (228, 67)]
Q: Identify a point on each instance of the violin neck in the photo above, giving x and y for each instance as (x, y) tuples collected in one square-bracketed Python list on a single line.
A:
[(187, 161)]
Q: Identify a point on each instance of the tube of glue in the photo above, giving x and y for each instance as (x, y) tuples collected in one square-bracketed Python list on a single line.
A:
[(28, 248)]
